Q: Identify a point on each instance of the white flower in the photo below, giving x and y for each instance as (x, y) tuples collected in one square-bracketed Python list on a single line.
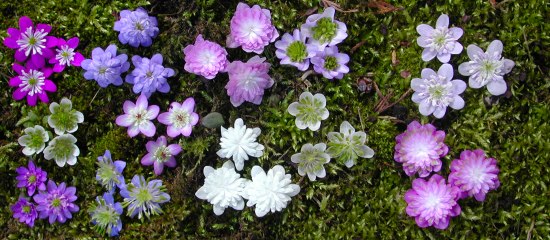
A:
[(34, 140), (487, 68), (309, 111), (64, 118), (63, 150), (441, 41), (271, 191), (348, 145), (239, 143), (311, 160), (223, 187)]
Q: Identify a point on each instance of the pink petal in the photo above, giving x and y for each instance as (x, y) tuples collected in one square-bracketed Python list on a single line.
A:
[(49, 86), (43, 97), (73, 42), (175, 149), (78, 58), (194, 119), (159, 167), (164, 118), (48, 53), (14, 82), (128, 106), (11, 42), (142, 102), (151, 146), (20, 56), (18, 94), (153, 111), (38, 61), (58, 68), (188, 104), (18, 68), (14, 33), (24, 23), (124, 120), (52, 41), (47, 28), (31, 100), (186, 131), (47, 72), (148, 129), (172, 131), (147, 160), (133, 131)]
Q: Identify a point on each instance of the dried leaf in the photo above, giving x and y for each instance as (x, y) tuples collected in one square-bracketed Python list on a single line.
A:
[(382, 6)]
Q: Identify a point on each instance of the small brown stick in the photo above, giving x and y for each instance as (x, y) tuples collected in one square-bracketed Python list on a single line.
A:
[(337, 7)]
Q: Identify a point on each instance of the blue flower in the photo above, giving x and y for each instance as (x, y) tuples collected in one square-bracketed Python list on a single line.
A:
[(149, 75), (144, 198), (109, 174), (105, 66), (136, 28), (105, 215)]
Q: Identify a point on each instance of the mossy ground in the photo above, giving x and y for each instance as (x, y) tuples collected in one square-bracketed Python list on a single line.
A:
[(365, 202)]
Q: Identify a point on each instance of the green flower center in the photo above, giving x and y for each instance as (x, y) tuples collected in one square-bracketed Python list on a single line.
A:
[(32, 81), (439, 40), (312, 160), (162, 154), (107, 173), (26, 209), (31, 178), (32, 41), (325, 30), (64, 117), (56, 202), (36, 140), (139, 27), (296, 51), (144, 195), (331, 63), (63, 148), (310, 110), (437, 92), (102, 70), (65, 54)]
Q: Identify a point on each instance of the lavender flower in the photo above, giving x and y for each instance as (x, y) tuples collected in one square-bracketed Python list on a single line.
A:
[(180, 119), (435, 91), (136, 28), (474, 174), (293, 50), (432, 202), (31, 178), (137, 117), (311, 160), (251, 28), (487, 68), (331, 63), (25, 211), (144, 198), (149, 75), (441, 41), (57, 202), (323, 30), (160, 154), (105, 214), (205, 58), (66, 56), (34, 140), (105, 66), (109, 173), (32, 83), (420, 148), (248, 81)]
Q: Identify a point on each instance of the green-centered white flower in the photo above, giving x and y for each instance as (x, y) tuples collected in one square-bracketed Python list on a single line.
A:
[(310, 110), (63, 150), (34, 140), (311, 160), (64, 118), (348, 145)]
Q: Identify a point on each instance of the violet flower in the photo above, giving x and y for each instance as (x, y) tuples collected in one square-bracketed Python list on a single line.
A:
[(32, 83), (441, 41), (136, 28), (66, 56), (293, 50), (248, 81), (137, 117), (105, 66), (331, 63), (31, 178), (474, 174), (251, 28), (57, 203), (105, 214), (144, 197), (149, 75), (180, 119), (323, 30), (25, 211), (160, 154), (109, 173), (205, 58)]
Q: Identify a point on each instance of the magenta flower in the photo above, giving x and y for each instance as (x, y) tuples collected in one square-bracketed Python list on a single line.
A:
[(56, 203), (160, 154), (137, 117), (25, 211), (293, 50), (251, 28), (180, 119), (31, 178), (205, 58), (247, 81), (331, 63), (474, 174), (420, 148), (66, 56), (31, 41), (432, 202), (32, 83)]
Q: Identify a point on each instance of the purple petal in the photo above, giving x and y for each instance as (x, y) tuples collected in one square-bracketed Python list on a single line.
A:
[(20, 56), (171, 162), (428, 54), (446, 70), (73, 42), (24, 23), (147, 160), (124, 120), (164, 118), (174, 149), (495, 47), (153, 111), (424, 30), (497, 87), (78, 58), (188, 104), (158, 167), (442, 21), (148, 129)]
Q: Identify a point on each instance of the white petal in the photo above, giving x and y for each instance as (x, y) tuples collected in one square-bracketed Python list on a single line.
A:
[(497, 87)]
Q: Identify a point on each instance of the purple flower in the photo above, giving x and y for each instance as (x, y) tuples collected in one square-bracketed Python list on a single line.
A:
[(205, 58), (323, 30), (160, 154), (247, 81), (331, 63), (474, 174), (32, 83), (66, 56), (441, 41), (105, 66), (25, 211), (420, 148), (435, 91), (109, 173), (136, 28), (105, 214), (149, 75), (31, 178), (432, 202), (144, 197), (251, 28), (293, 50), (137, 117), (180, 119), (31, 40), (56, 203)]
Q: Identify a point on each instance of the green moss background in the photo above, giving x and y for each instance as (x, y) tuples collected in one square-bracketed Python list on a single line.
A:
[(364, 202)]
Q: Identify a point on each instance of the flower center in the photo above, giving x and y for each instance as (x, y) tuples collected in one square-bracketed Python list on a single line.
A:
[(26, 209), (139, 26), (441, 37), (180, 118), (32, 41), (149, 74), (296, 51), (331, 63), (312, 160), (31, 178), (107, 172), (439, 91), (310, 110), (56, 202), (162, 154), (63, 148), (207, 58), (106, 216), (144, 195), (432, 201), (36, 140), (140, 116), (65, 55), (32, 81), (325, 30)]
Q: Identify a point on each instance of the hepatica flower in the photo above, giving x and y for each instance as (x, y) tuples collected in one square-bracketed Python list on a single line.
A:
[(66, 55), (248, 81), (311, 160), (25, 211), (105, 66), (441, 41), (63, 150), (239, 142), (136, 28), (149, 75), (180, 119), (420, 148), (32, 83), (105, 214), (223, 188), (293, 50), (31, 178), (348, 145), (205, 58), (144, 197), (323, 30), (160, 154), (109, 173), (251, 28), (57, 203), (474, 174), (34, 140), (331, 63), (270, 192), (310, 110), (432, 202), (435, 91), (487, 68), (64, 118), (137, 117)]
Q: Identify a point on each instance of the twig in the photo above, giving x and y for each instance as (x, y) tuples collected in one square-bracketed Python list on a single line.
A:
[(306, 74), (95, 95), (337, 7), (531, 229)]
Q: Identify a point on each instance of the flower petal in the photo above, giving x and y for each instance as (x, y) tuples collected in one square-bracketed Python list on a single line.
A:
[(497, 87)]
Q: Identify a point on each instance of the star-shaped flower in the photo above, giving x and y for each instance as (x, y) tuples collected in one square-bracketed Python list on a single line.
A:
[(348, 145)]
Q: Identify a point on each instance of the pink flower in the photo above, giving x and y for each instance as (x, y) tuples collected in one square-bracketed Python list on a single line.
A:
[(474, 174), (205, 58), (66, 56), (432, 202), (160, 154), (247, 81), (32, 83), (251, 28), (138, 117), (181, 118)]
